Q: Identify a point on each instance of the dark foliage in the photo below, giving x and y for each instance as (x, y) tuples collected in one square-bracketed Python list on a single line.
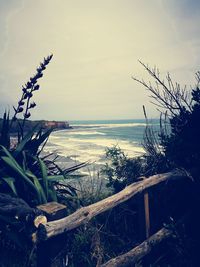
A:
[(174, 145), (120, 169), (22, 168), (180, 141)]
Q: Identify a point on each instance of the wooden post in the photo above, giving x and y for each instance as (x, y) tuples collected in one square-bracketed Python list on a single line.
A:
[(147, 215), (49, 252), (141, 218), (144, 216), (53, 210)]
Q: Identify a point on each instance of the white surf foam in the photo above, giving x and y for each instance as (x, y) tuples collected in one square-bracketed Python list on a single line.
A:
[(114, 125), (90, 149)]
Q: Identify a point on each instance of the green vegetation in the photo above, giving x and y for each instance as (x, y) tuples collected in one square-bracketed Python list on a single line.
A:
[(26, 174), (120, 169), (179, 129), (22, 168)]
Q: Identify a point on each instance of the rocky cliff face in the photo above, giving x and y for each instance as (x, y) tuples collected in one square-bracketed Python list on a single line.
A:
[(56, 124)]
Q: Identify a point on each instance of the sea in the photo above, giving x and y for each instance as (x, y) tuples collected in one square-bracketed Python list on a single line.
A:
[(88, 140)]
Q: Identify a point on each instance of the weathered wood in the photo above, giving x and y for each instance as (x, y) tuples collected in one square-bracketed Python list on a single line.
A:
[(53, 210), (147, 214), (136, 254), (83, 215), (39, 220)]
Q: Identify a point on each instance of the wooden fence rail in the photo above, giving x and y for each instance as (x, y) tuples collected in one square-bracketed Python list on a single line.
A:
[(85, 214), (139, 252)]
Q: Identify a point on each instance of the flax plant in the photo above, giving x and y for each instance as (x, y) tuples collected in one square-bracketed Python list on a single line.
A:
[(22, 169)]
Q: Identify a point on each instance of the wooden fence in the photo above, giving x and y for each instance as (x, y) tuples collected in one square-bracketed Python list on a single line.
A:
[(85, 214)]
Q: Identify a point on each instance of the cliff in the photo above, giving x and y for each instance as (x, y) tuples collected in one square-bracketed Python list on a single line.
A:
[(56, 125)]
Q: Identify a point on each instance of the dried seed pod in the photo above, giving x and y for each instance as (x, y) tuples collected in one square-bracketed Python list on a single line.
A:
[(27, 115), (28, 85), (21, 103), (24, 89), (42, 66), (20, 109), (36, 87), (29, 94), (39, 70), (33, 80), (25, 96), (32, 105), (39, 75)]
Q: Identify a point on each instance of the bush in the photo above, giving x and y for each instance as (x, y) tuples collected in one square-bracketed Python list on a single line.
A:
[(176, 145), (120, 169), (179, 129)]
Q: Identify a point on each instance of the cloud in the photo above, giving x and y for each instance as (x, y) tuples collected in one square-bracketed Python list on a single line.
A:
[(96, 45), (8, 10)]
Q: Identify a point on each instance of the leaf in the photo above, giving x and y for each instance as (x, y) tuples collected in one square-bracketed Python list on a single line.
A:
[(14, 166), (56, 178), (44, 175), (72, 189), (36, 142), (5, 150), (53, 195), (76, 176), (24, 141), (10, 181), (70, 169), (41, 194), (66, 191), (24, 160), (75, 167), (5, 131)]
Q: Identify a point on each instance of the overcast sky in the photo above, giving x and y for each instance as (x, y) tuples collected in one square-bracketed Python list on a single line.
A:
[(96, 46)]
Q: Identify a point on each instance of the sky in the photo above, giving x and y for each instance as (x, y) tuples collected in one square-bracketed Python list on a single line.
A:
[(96, 46)]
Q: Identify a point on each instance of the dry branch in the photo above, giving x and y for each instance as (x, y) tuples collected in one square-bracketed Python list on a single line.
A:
[(85, 214), (137, 253)]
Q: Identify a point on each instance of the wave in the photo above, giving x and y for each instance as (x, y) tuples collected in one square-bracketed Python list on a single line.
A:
[(86, 133), (115, 125), (90, 149), (88, 142)]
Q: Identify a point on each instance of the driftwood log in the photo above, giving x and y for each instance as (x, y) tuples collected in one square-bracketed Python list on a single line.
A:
[(85, 214), (136, 254)]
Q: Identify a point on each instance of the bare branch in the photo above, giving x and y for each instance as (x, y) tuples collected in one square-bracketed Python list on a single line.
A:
[(168, 95)]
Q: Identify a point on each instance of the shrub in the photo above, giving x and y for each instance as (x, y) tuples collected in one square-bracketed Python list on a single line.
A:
[(179, 130), (120, 169)]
